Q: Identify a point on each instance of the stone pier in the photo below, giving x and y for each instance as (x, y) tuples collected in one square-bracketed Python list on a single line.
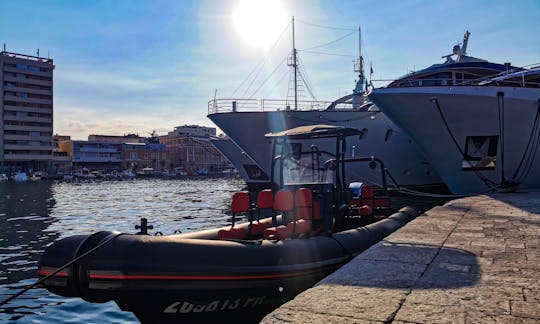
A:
[(473, 260)]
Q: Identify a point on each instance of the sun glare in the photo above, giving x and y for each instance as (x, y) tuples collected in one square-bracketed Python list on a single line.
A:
[(258, 23)]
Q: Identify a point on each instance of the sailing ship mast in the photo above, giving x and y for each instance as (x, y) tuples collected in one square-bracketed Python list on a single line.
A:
[(294, 63)]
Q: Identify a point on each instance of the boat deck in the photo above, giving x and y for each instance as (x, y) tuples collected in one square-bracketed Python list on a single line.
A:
[(473, 260)]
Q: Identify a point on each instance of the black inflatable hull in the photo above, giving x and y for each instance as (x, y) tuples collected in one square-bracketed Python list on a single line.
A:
[(197, 278)]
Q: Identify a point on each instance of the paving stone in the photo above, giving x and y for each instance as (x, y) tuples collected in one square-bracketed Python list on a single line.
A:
[(483, 318), (525, 309), (421, 313), (371, 304)]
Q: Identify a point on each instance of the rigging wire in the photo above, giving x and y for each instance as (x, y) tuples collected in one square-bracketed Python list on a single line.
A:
[(533, 137), (331, 54), (323, 26), (261, 63), (307, 81), (329, 43), (267, 78)]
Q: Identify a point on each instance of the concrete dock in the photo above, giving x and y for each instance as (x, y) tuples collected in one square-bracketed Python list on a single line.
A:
[(472, 260)]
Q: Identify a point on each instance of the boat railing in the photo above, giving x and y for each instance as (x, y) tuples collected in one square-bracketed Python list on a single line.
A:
[(503, 78), (261, 105)]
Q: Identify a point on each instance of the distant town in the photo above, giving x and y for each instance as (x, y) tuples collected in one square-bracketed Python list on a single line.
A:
[(27, 143)]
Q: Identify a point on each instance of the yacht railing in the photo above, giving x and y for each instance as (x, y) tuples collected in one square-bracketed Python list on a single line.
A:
[(514, 77), (260, 105)]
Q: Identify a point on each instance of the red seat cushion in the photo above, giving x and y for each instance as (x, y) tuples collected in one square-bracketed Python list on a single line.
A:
[(280, 232), (232, 234), (258, 227), (302, 227), (365, 210)]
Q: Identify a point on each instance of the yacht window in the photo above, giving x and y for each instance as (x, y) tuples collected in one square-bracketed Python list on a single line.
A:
[(480, 153)]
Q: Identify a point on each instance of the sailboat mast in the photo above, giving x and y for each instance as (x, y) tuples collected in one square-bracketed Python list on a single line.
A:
[(295, 65)]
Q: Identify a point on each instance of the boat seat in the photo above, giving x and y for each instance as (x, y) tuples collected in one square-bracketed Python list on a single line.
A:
[(240, 204), (284, 203)]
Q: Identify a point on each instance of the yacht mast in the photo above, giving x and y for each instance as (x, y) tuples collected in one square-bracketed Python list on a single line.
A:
[(295, 66), (359, 66)]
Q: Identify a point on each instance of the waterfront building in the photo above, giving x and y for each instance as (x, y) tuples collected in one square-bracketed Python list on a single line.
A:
[(137, 156), (189, 148), (26, 111), (94, 155), (129, 138)]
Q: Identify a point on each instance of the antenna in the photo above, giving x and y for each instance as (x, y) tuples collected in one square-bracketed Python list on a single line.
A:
[(38, 52), (4, 47), (465, 41), (295, 65)]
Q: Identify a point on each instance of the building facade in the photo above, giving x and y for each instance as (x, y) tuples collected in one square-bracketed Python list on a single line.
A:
[(129, 138), (137, 156), (189, 149), (26, 106), (94, 155)]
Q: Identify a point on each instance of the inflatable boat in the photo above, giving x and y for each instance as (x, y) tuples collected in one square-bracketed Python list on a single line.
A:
[(239, 272)]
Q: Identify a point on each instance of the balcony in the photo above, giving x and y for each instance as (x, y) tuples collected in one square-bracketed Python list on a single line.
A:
[(29, 72), (28, 81), (105, 159), (96, 150), (27, 157), (28, 119), (28, 138), (28, 109), (28, 147), (30, 100), (28, 128), (29, 90)]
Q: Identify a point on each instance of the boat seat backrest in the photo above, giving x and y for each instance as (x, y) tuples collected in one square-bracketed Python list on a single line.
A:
[(265, 199), (303, 199), (283, 201), (240, 202)]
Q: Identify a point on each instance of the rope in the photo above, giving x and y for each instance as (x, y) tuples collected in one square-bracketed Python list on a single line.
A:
[(39, 282), (530, 158), (259, 88), (485, 180)]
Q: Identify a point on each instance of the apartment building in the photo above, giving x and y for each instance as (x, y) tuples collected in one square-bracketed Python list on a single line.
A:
[(26, 111)]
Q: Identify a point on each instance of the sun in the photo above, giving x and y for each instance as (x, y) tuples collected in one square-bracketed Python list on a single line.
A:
[(258, 23)]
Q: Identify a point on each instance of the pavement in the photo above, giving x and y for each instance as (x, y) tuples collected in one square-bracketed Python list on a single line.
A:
[(472, 260)]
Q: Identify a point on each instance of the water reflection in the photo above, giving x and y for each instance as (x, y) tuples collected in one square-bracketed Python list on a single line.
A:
[(34, 214)]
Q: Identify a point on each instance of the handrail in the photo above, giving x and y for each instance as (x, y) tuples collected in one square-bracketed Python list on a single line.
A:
[(223, 105), (484, 81)]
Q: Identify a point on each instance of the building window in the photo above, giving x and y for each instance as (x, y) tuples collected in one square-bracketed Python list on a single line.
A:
[(146, 156), (133, 155)]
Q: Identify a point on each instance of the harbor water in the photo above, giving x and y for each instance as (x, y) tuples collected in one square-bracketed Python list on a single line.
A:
[(34, 214)]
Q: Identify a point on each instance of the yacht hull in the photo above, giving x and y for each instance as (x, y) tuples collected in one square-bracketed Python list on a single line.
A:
[(381, 138), (478, 138)]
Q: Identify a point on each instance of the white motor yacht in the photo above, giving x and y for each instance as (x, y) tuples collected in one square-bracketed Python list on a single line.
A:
[(478, 121), (246, 121)]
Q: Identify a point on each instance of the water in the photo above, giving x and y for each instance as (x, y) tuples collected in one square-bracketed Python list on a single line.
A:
[(35, 214)]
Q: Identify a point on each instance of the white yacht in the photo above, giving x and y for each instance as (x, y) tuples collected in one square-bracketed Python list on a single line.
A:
[(248, 169), (246, 121), (478, 121)]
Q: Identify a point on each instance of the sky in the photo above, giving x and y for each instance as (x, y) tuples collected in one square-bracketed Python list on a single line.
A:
[(136, 66)]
